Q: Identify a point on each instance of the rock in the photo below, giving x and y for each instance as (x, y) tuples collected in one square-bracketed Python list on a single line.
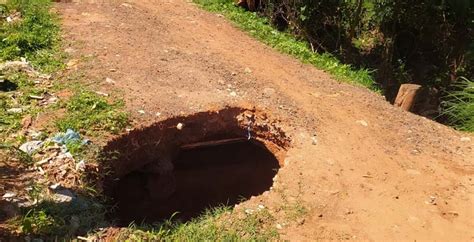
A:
[(314, 140), (268, 92), (63, 195), (75, 223), (362, 122), (72, 63), (300, 221), (247, 70), (110, 80), (465, 139), (8, 210)]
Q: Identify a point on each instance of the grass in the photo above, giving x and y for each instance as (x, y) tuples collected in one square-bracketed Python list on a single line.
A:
[(89, 112), (34, 36), (19, 96), (49, 219), (459, 106), (217, 224), (260, 28)]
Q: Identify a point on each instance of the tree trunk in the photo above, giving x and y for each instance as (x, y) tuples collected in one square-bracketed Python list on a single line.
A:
[(406, 96)]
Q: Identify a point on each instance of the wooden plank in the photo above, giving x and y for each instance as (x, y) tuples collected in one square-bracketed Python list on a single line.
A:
[(213, 143)]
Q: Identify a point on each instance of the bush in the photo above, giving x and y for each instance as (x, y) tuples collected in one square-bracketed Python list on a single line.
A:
[(459, 106)]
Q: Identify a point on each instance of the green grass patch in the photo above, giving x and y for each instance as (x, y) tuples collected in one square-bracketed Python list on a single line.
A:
[(260, 28), (89, 112), (218, 224), (34, 35), (459, 106), (17, 102), (50, 219)]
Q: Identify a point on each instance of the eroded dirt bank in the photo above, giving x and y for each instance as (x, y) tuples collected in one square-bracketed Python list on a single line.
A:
[(364, 169)]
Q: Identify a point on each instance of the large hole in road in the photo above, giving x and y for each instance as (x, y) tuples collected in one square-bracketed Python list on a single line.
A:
[(182, 166)]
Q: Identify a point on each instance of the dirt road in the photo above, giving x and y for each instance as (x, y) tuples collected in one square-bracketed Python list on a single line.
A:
[(375, 172)]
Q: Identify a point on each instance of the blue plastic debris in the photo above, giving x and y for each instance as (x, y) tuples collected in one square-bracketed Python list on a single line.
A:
[(69, 136)]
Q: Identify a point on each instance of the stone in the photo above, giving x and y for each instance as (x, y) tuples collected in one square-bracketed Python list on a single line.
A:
[(362, 122), (268, 92), (63, 195), (465, 139), (110, 80)]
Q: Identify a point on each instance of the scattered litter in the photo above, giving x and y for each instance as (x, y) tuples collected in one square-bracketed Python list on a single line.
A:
[(102, 93), (81, 165), (278, 226), (248, 211), (31, 146), (43, 161), (179, 126), (9, 195), (36, 97), (69, 136), (21, 65), (233, 94), (55, 186), (15, 110), (362, 122), (260, 206), (157, 114), (247, 70), (127, 5), (141, 111), (13, 17)]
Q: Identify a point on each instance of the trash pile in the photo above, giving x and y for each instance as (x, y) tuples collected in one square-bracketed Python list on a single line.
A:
[(54, 166), (53, 159)]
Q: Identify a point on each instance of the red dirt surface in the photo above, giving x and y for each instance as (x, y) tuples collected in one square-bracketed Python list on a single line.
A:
[(375, 171)]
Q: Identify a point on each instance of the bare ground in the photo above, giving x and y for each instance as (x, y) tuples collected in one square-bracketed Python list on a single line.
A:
[(376, 172)]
